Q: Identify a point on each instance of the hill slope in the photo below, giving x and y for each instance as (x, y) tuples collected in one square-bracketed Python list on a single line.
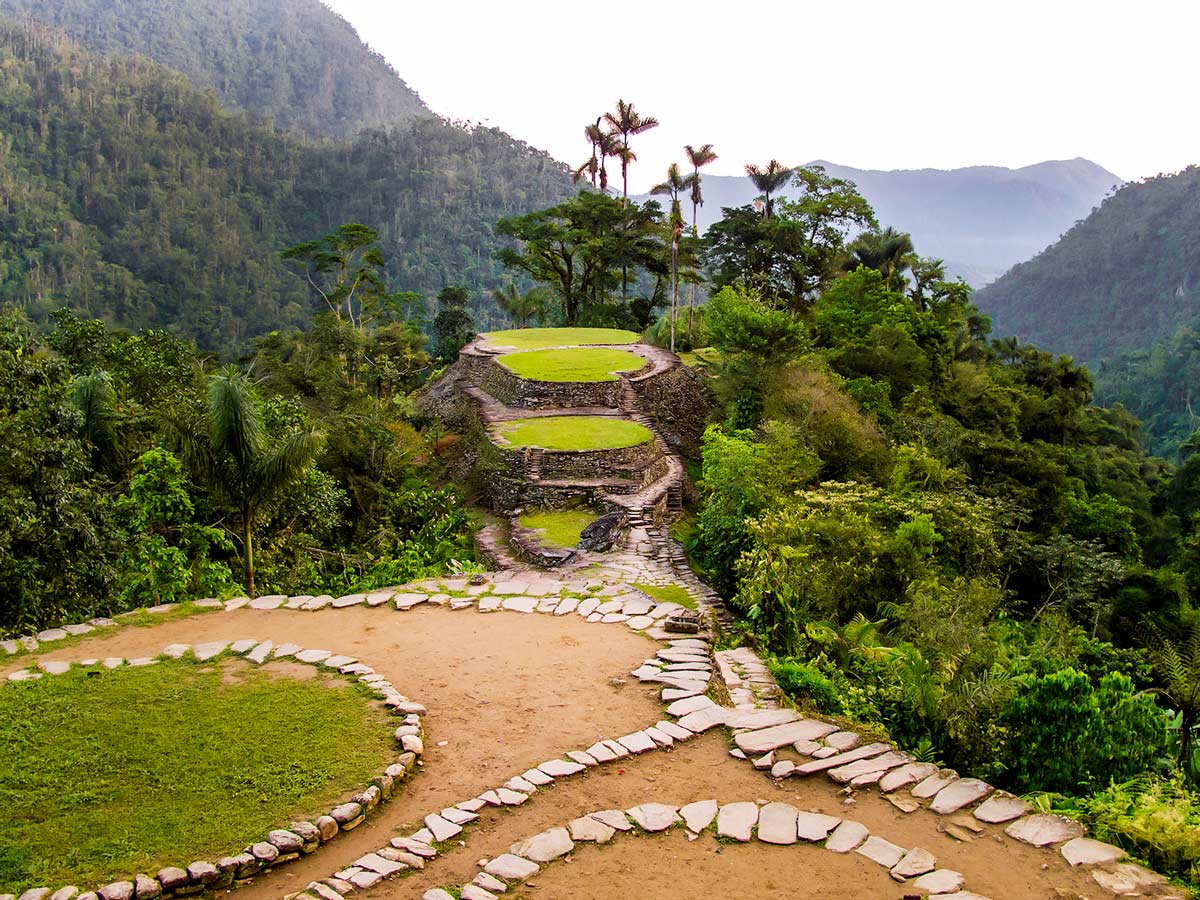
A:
[(130, 195), (1125, 277), (295, 62), (981, 219)]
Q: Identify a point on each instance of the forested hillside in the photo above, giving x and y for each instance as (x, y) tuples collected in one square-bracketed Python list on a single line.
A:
[(295, 62), (1125, 277), (128, 194)]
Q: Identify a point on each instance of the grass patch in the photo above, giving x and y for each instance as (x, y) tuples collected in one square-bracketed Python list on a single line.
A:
[(106, 773), (559, 528), (574, 433), (575, 364), (669, 593), (537, 338)]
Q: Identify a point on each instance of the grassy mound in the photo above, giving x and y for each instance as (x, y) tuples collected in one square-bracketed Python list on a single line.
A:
[(573, 433), (559, 528), (537, 338), (107, 773), (667, 593), (575, 364)]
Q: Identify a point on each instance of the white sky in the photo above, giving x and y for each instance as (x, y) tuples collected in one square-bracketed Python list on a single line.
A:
[(923, 83)]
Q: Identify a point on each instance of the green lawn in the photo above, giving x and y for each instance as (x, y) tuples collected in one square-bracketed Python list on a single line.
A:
[(559, 528), (574, 433), (575, 364), (107, 773), (669, 593), (537, 338)]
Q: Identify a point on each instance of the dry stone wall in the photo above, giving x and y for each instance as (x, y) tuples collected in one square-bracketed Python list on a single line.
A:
[(680, 402), (525, 393)]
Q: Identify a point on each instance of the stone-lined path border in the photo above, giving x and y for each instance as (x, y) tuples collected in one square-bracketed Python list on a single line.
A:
[(779, 824), (280, 845), (762, 732)]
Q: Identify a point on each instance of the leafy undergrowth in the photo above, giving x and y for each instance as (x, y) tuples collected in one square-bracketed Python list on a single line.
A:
[(575, 364), (666, 593), (559, 528), (1155, 819), (574, 433), (107, 773), (537, 338)]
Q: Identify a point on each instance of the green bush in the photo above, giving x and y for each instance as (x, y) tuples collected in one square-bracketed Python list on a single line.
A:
[(1068, 735), (803, 682)]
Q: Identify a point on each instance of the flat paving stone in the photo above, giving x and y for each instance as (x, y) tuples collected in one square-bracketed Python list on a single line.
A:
[(885, 853), (271, 601), (475, 892), (613, 818), (842, 759), (699, 815), (561, 768), (313, 656), (1001, 807), (208, 650), (777, 823), (546, 846), (511, 798), (638, 742), (349, 600), (584, 759), (1083, 851), (915, 862), (512, 868), (781, 735), (1044, 829), (520, 604), (905, 776), (375, 863), (934, 784), (812, 826), (961, 793), (701, 721), (737, 820), (654, 817), (941, 881), (591, 829), (874, 765), (442, 828), (847, 837)]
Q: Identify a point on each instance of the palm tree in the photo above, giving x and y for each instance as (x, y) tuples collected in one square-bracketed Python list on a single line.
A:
[(698, 157), (769, 180), (227, 450), (673, 187), (521, 307), (605, 144), (888, 251), (626, 121), (1177, 665)]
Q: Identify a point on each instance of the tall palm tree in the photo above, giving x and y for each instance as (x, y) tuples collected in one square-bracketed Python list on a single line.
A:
[(674, 187), (605, 145), (627, 121), (769, 179), (590, 167), (226, 448), (888, 251), (699, 157)]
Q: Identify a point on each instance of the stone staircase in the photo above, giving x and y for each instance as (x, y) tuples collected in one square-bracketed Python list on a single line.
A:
[(534, 457)]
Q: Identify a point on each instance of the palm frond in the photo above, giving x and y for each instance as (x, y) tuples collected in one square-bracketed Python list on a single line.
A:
[(235, 420)]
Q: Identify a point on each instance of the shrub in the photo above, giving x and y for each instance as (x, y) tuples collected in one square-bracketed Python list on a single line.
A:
[(801, 682), (1068, 734)]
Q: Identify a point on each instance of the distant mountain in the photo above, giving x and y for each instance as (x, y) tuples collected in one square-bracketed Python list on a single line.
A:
[(1121, 280), (295, 62), (981, 219)]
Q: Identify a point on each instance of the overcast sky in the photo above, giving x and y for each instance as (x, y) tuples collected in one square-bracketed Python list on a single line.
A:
[(923, 83)]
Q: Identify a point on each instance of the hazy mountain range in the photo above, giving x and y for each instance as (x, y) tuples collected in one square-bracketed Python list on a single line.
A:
[(981, 220)]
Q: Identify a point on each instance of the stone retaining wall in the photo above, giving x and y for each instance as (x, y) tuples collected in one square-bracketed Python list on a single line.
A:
[(680, 402), (524, 393), (620, 462)]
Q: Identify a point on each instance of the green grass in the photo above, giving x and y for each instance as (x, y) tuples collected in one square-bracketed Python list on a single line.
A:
[(670, 593), (573, 433), (575, 364), (559, 528), (537, 338), (106, 773)]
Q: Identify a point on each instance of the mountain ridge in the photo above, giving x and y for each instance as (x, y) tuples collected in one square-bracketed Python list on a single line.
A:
[(1026, 208)]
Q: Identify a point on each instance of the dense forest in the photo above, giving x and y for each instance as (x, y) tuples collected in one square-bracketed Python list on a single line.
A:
[(291, 62), (1125, 277), (131, 196)]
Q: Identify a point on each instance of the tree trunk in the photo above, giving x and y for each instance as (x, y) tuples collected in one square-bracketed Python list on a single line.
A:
[(248, 549), (674, 286)]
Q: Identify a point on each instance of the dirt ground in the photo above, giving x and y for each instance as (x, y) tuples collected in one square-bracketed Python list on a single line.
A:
[(507, 691)]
